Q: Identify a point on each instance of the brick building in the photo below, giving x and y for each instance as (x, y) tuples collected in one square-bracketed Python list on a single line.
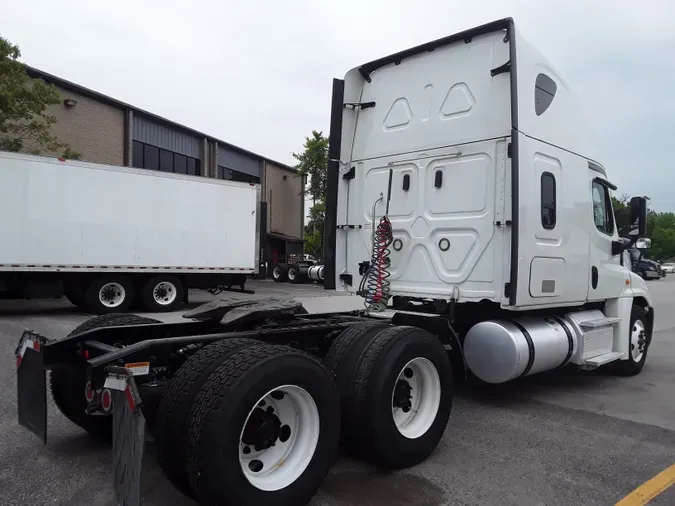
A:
[(107, 131)]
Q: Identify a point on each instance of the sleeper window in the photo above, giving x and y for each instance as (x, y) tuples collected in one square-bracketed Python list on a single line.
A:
[(548, 201), (544, 91)]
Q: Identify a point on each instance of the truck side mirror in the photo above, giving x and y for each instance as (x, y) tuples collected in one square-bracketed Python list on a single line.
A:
[(638, 213), (643, 244)]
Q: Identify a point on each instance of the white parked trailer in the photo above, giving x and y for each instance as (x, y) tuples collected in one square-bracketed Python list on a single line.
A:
[(106, 235)]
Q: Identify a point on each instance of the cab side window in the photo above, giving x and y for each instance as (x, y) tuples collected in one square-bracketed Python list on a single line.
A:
[(548, 201), (602, 209)]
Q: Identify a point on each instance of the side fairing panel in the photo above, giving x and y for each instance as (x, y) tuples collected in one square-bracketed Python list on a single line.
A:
[(553, 263), (549, 109)]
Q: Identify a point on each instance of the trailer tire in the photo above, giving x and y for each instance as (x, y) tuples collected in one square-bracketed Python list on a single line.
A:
[(342, 359), (280, 273), (109, 294), (163, 293), (173, 413), (387, 435), (290, 383), (67, 384), (638, 344)]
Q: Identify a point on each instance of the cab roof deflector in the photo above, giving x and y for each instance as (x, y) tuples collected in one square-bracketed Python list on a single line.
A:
[(502, 24)]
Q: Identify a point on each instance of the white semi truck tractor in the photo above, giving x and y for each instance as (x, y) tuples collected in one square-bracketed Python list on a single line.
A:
[(470, 226)]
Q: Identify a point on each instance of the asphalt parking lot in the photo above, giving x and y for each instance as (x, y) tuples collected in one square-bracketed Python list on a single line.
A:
[(560, 438)]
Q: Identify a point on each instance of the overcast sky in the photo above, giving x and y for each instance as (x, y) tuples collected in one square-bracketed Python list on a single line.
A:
[(258, 73)]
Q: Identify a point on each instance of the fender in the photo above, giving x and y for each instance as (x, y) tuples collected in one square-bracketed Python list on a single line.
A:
[(636, 292)]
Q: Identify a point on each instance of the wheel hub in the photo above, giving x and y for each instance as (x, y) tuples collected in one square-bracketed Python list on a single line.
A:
[(279, 437), (638, 345), (262, 430), (402, 395), (109, 293), (416, 398)]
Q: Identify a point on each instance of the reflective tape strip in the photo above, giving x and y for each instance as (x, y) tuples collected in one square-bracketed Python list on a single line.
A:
[(114, 383), (39, 267), (130, 398), (28, 343)]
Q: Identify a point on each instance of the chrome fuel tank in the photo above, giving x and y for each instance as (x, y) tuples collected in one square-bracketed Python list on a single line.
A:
[(497, 351)]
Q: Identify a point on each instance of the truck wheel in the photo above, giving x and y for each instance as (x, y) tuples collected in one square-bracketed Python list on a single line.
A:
[(294, 275), (264, 429), (280, 273), (174, 408), (68, 383), (109, 294), (162, 294), (638, 347), (403, 388), (343, 357)]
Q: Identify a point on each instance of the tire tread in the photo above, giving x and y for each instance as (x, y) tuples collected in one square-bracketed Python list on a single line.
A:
[(174, 407)]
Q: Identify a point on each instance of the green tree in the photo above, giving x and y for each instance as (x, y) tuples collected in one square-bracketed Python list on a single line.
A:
[(313, 164), (25, 123), (314, 230), (660, 229)]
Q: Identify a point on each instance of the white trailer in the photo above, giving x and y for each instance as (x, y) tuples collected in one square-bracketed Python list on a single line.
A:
[(463, 206), (108, 236)]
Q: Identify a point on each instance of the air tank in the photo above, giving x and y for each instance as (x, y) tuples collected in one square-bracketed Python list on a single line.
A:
[(315, 273), (497, 351)]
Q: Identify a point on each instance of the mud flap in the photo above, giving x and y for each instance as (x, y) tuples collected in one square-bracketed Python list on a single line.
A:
[(128, 436), (31, 384)]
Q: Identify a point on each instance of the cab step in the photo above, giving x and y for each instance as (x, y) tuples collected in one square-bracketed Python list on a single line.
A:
[(606, 358), (600, 322)]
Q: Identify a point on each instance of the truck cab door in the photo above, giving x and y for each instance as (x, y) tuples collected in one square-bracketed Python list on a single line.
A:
[(607, 277)]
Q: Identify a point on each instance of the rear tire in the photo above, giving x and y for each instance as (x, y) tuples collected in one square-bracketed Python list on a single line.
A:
[(400, 365), (162, 294), (227, 447), (280, 273), (294, 275), (109, 294), (68, 383), (174, 408), (342, 359)]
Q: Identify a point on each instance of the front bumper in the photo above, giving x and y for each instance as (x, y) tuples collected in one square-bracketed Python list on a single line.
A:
[(128, 421), (652, 275)]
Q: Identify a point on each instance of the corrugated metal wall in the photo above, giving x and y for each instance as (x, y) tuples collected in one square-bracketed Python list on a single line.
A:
[(239, 161), (150, 132)]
